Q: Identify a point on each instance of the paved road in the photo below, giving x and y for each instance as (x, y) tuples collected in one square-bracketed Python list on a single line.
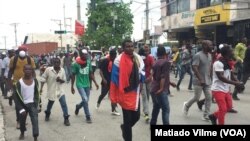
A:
[(106, 127)]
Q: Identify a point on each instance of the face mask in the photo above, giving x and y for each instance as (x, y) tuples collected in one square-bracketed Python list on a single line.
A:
[(22, 53)]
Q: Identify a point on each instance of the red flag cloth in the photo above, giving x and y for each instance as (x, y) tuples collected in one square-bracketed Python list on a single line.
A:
[(79, 28)]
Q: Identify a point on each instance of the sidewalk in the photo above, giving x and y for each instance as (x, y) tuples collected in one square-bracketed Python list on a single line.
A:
[(2, 128)]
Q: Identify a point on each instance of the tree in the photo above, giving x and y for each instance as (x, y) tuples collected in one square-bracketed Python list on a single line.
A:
[(108, 24)]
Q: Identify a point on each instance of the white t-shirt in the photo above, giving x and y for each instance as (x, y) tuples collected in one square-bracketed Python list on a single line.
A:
[(217, 84), (6, 62), (27, 92)]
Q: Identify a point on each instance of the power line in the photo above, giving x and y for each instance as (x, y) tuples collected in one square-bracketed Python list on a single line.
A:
[(15, 30), (143, 2), (137, 9)]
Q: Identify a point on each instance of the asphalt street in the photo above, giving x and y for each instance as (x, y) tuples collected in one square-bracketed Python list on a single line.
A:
[(106, 127)]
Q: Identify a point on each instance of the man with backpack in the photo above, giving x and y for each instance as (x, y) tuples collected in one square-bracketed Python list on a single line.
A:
[(16, 65)]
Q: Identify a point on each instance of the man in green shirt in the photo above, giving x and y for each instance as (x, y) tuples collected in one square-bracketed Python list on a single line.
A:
[(239, 53), (82, 71)]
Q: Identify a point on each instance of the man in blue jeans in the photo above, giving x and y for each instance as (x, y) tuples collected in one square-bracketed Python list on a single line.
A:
[(160, 87), (82, 71), (186, 61), (55, 78)]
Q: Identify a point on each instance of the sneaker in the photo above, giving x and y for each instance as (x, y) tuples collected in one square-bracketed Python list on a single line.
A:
[(205, 118), (10, 101), (212, 119), (77, 110), (66, 122), (199, 104), (88, 120), (146, 117), (97, 106), (47, 115), (232, 111), (178, 88), (236, 98), (185, 109), (115, 113), (171, 95)]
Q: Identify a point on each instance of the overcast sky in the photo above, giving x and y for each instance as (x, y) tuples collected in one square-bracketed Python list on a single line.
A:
[(35, 16)]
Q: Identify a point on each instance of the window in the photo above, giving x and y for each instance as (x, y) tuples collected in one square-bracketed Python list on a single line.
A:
[(215, 2), (171, 7), (177, 6), (207, 3), (183, 5), (203, 3)]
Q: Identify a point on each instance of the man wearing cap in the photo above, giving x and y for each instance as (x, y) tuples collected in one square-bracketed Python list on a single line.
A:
[(82, 71), (5, 71), (16, 69)]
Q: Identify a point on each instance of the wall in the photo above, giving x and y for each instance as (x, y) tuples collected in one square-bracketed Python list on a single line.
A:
[(42, 48), (237, 14)]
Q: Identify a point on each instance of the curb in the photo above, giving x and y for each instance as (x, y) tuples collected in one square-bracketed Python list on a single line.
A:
[(2, 128)]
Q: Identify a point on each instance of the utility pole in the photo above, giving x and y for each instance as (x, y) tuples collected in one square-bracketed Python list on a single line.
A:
[(146, 34), (78, 10), (15, 30), (4, 37), (64, 19), (60, 24)]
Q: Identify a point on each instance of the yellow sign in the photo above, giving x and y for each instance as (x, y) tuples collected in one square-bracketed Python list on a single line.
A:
[(211, 15)]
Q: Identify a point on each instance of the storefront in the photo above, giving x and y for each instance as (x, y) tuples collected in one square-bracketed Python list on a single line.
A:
[(213, 23), (180, 26)]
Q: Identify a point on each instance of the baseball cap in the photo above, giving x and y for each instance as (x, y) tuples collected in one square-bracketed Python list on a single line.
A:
[(112, 48), (84, 51), (221, 46), (4, 53), (23, 47)]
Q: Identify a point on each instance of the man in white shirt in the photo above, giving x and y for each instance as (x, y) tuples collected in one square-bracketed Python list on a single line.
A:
[(222, 79), (55, 78), (26, 96)]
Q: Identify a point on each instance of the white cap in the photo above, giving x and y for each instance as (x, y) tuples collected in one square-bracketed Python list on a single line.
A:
[(221, 46), (119, 47), (84, 51), (111, 48), (4, 53)]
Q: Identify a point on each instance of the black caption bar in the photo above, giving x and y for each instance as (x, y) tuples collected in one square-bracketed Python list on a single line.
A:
[(219, 132)]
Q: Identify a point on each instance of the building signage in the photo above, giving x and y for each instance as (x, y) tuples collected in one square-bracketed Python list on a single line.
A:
[(182, 20), (210, 15), (210, 18)]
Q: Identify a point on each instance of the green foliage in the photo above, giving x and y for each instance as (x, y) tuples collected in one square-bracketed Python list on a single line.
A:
[(105, 29)]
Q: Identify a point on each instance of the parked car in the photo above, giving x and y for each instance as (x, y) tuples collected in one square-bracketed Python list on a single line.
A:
[(97, 52)]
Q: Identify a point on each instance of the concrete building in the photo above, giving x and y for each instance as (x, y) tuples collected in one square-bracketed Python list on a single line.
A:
[(222, 21)]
